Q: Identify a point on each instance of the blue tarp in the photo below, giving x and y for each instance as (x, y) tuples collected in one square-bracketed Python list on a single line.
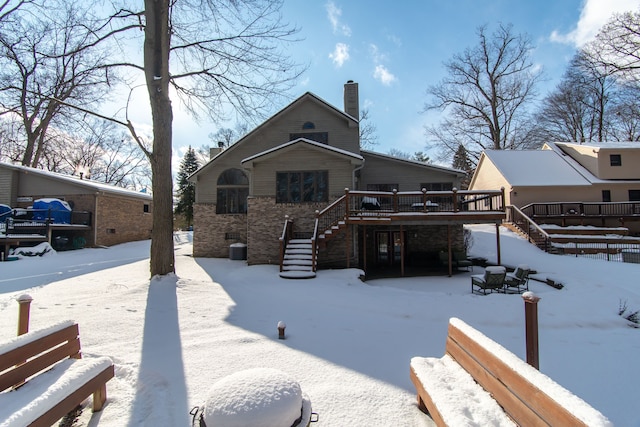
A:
[(57, 210), (5, 212)]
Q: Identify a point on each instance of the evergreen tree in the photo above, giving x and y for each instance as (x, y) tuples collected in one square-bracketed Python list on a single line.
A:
[(186, 193), (462, 162)]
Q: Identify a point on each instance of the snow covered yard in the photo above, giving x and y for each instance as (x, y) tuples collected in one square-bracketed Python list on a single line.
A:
[(348, 343)]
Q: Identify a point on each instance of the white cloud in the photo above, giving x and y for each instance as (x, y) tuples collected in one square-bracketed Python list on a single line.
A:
[(383, 75), (595, 13), (376, 54), (340, 54), (334, 13)]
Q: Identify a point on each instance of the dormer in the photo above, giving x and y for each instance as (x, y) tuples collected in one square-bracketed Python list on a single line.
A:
[(607, 160)]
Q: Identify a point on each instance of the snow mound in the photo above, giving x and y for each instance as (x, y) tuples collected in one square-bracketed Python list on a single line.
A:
[(259, 396)]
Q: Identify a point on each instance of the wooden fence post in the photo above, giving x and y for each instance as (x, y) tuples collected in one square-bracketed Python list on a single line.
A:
[(531, 327), (23, 313)]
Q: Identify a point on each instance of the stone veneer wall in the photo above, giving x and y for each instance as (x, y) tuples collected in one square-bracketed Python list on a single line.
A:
[(265, 220), (210, 230), (334, 253)]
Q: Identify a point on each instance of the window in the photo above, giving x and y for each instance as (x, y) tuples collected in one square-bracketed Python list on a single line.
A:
[(308, 125), (145, 208), (321, 137), (615, 159), (302, 187), (437, 186), (634, 195), (383, 187), (606, 196), (233, 190)]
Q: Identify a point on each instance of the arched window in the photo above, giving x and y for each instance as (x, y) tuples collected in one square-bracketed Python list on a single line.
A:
[(233, 190), (308, 125)]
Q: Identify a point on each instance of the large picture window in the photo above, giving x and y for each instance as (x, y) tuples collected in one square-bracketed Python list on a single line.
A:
[(233, 190), (437, 186), (301, 187)]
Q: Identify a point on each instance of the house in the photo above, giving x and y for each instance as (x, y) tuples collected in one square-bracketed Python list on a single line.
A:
[(102, 214), (302, 174), (568, 176)]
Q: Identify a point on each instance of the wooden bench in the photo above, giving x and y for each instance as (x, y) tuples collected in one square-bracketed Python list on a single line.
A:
[(43, 377), (478, 382)]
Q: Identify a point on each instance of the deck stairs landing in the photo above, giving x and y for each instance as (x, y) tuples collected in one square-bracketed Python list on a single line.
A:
[(298, 263)]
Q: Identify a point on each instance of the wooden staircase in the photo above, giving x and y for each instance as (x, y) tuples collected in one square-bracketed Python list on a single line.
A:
[(298, 261)]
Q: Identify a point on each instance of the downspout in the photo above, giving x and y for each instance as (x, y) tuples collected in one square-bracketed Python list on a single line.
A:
[(353, 175), (95, 220)]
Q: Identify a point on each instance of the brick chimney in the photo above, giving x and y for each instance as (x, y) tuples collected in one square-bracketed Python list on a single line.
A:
[(351, 102)]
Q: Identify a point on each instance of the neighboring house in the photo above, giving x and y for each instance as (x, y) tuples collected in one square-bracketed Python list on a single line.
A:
[(303, 161), (565, 172), (111, 214)]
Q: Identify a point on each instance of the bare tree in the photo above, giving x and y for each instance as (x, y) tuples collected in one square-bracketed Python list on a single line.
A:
[(577, 109), (99, 150), (485, 95), (617, 45), (589, 105), (42, 68), (234, 61), (368, 130), (226, 55)]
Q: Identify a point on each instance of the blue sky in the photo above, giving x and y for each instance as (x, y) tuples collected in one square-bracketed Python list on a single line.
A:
[(396, 49)]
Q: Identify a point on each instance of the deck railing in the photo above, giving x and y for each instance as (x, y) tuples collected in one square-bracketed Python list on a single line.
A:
[(586, 209)]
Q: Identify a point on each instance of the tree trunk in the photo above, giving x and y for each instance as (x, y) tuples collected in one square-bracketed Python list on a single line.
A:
[(156, 65)]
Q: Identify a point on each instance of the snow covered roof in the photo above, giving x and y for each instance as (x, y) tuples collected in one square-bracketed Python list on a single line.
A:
[(414, 162), (317, 145), (617, 145), (527, 168), (77, 181)]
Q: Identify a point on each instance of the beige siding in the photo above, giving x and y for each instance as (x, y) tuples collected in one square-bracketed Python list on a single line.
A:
[(8, 187), (629, 168), (39, 184), (276, 132), (585, 155), (408, 176), (302, 158), (488, 177)]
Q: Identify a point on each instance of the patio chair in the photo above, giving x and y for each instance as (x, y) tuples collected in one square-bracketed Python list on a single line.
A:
[(491, 280), (462, 261), (518, 281)]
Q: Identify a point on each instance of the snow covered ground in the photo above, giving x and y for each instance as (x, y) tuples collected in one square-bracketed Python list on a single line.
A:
[(348, 343)]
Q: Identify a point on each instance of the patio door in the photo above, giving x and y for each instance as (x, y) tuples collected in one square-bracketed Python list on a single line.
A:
[(388, 248)]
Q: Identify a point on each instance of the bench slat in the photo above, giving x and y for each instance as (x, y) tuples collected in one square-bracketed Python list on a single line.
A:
[(96, 386), (33, 348), (37, 364), (522, 400)]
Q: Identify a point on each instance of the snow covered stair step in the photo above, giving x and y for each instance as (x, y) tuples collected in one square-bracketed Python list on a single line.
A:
[(297, 274), (58, 379), (478, 382)]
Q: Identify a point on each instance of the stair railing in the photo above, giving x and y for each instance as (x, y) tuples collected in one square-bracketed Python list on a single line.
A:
[(314, 243), (527, 226), (287, 233)]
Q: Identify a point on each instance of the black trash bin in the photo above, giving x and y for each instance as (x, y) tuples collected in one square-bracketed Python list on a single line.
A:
[(238, 251)]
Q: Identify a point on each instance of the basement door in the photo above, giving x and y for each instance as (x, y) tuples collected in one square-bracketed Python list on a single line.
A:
[(388, 248)]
